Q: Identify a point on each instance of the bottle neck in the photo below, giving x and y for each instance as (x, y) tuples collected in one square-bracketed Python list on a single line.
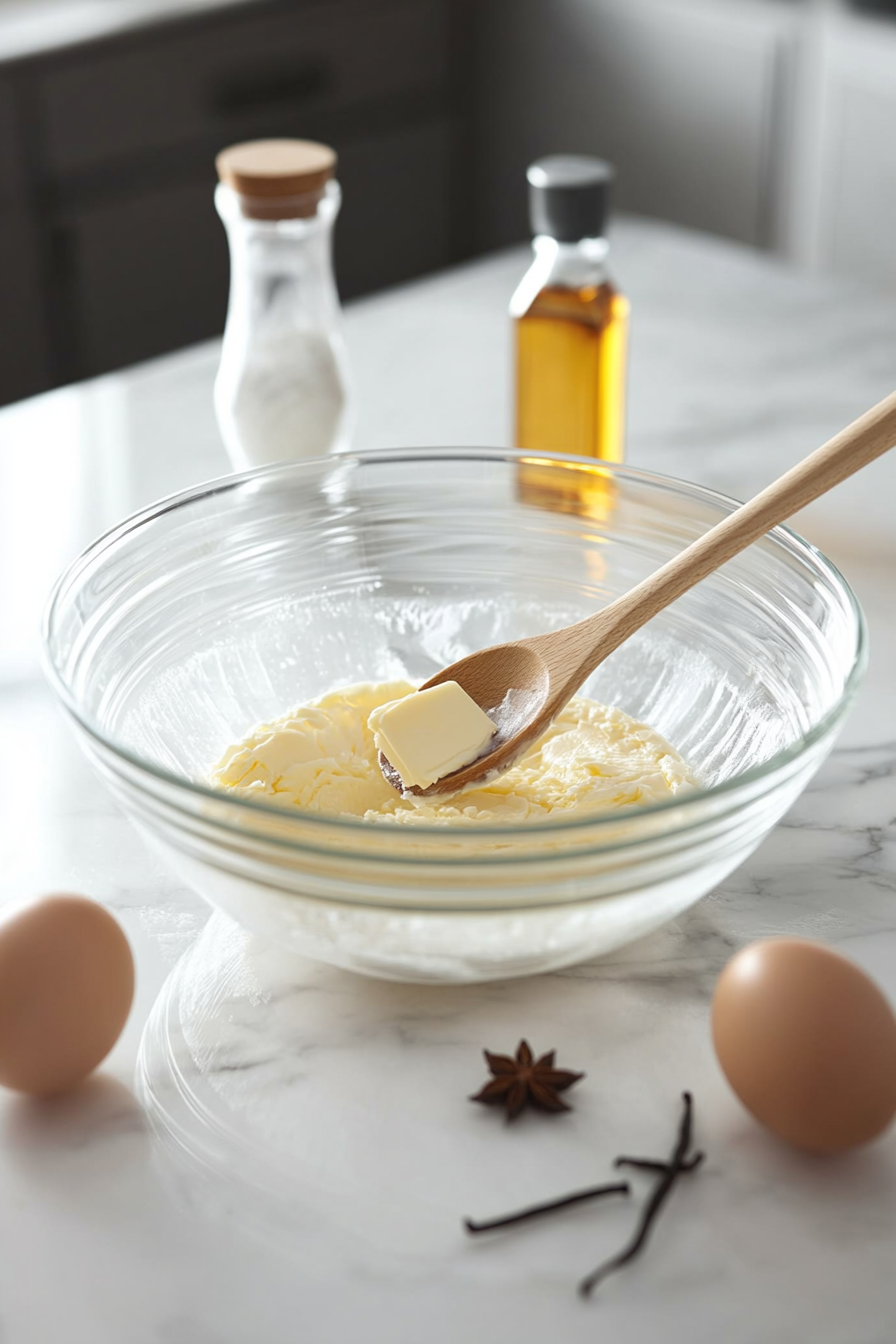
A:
[(573, 264), (561, 265), (281, 273)]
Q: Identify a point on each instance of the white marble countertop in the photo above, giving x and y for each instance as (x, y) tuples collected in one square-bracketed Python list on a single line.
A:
[(739, 368)]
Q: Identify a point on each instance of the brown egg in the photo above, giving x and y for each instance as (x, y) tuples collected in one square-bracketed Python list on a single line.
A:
[(808, 1043), (66, 987)]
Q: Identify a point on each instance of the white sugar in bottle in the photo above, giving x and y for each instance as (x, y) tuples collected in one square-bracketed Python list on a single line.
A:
[(282, 390)]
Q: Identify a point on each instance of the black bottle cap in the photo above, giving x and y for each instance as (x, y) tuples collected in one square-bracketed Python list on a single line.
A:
[(569, 196)]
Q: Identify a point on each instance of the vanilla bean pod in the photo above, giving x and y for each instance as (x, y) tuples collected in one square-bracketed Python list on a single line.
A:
[(668, 1172), (595, 1192), (652, 1164)]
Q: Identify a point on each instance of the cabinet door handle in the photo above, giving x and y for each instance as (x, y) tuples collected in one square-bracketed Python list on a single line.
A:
[(279, 87)]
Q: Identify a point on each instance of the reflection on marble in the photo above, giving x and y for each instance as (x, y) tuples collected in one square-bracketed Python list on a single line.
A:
[(337, 1106), (349, 1096), (43, 1132), (333, 1112)]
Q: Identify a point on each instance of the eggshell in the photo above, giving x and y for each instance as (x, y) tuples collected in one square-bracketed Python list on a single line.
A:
[(66, 987), (808, 1043)]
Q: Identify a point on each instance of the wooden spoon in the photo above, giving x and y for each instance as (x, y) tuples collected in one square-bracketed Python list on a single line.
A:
[(524, 685)]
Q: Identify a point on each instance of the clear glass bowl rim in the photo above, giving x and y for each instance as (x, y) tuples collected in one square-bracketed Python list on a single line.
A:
[(685, 805)]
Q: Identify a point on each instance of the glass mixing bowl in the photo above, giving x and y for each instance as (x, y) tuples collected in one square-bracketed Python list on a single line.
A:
[(216, 609)]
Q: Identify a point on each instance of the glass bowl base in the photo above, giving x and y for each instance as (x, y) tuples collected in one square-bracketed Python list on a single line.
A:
[(330, 1112)]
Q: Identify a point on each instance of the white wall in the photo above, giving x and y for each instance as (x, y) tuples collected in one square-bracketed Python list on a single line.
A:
[(768, 121), (680, 94)]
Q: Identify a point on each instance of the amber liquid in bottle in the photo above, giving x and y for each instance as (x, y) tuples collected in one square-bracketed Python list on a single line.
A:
[(570, 393)]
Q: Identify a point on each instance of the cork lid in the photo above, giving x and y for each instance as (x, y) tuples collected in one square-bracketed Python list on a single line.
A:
[(277, 179)]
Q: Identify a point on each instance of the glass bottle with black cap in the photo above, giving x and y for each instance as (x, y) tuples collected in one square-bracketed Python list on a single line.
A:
[(571, 333)]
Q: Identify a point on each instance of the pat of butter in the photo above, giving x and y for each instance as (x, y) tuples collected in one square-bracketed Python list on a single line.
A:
[(429, 734)]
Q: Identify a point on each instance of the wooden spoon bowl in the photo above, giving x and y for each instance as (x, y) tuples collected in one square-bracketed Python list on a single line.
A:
[(523, 685)]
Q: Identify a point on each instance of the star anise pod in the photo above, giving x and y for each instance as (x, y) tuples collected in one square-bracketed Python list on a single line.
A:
[(524, 1080)]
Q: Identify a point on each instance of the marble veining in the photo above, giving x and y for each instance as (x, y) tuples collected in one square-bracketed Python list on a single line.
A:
[(323, 1201)]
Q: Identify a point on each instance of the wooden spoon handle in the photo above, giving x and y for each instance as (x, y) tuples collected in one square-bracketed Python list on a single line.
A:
[(854, 447)]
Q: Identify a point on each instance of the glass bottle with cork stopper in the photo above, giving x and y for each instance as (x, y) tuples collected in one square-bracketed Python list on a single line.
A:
[(282, 390), (571, 334)]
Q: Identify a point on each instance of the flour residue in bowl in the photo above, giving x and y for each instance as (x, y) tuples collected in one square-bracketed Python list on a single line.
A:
[(321, 758)]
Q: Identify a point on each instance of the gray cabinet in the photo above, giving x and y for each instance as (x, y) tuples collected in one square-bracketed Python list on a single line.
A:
[(115, 206), (761, 120), (848, 208), (177, 88), (406, 177), (138, 274), (680, 94), (24, 352), (24, 356)]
